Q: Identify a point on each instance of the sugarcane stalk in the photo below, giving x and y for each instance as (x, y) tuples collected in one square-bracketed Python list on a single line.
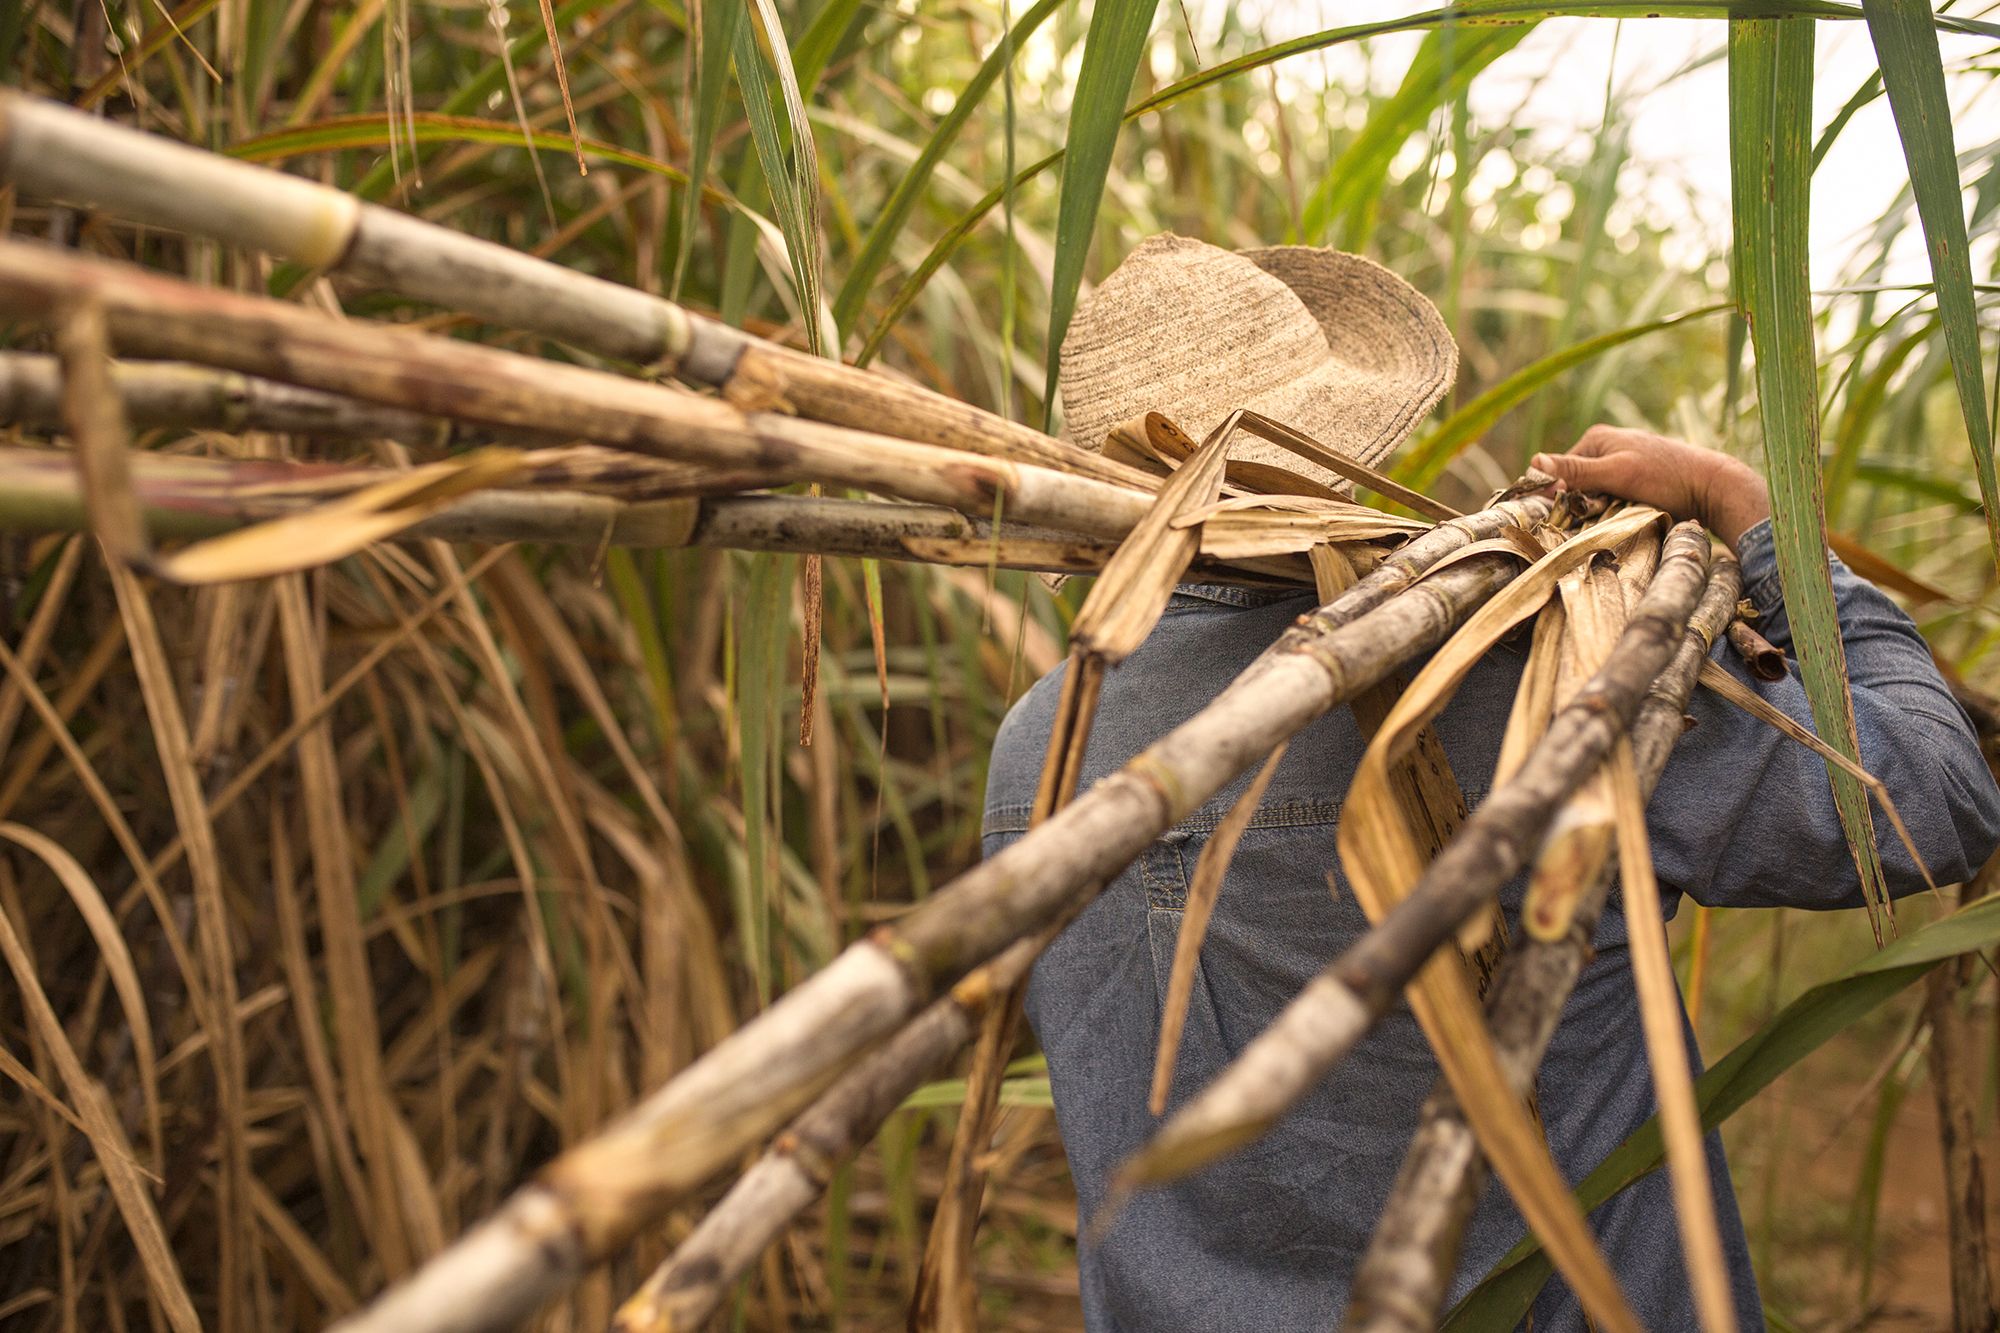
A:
[(685, 1291), (1338, 1007), (169, 393), (184, 497), (400, 367), (594, 1198), (1400, 1284), (50, 151), (1764, 658), (176, 394)]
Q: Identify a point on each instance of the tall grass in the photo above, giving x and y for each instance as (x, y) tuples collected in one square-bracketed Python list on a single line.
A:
[(549, 832)]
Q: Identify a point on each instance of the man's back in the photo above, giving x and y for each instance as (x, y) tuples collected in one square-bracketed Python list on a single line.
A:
[(1268, 1237)]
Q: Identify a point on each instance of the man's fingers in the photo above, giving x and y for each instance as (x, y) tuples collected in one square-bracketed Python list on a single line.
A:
[(1578, 472), (1600, 440)]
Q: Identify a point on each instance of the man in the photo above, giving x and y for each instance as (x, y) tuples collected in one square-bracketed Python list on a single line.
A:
[(1268, 1238)]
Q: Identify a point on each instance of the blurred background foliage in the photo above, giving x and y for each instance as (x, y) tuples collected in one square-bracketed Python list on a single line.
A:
[(523, 991)]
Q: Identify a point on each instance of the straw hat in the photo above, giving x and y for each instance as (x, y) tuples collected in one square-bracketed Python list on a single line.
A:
[(1331, 344)]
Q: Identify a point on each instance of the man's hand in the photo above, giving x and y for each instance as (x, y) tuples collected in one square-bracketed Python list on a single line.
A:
[(1684, 479)]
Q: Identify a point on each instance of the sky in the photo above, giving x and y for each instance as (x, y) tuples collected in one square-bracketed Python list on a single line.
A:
[(1681, 125)]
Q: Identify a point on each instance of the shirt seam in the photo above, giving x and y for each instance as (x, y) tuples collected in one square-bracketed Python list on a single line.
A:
[(1229, 595)]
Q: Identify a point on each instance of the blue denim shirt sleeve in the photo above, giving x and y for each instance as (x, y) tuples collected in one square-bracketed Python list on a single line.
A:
[(1744, 817)]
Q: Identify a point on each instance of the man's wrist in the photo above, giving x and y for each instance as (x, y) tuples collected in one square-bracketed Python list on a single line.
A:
[(1737, 500)]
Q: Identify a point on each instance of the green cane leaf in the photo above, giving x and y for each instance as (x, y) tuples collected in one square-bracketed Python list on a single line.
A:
[(717, 39), (1444, 66), (910, 188), (1770, 128), (1913, 74), (822, 37), (1870, 89), (429, 127), (1427, 459), (793, 176), (1111, 51), (765, 629)]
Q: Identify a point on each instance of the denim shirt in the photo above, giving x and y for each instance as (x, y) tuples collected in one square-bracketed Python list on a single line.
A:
[(1266, 1239)]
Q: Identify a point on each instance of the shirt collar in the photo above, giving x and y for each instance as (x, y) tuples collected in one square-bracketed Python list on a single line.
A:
[(1233, 595)]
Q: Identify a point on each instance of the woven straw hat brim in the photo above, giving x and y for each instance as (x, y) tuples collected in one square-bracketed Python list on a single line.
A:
[(1332, 344)]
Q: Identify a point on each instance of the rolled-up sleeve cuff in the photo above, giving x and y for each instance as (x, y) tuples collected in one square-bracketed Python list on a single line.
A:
[(1759, 558)]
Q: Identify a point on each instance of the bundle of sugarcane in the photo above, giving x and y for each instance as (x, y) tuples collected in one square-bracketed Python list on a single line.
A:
[(929, 976), (593, 454)]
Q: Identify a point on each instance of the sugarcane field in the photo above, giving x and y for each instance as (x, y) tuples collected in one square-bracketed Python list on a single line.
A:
[(1011, 664)]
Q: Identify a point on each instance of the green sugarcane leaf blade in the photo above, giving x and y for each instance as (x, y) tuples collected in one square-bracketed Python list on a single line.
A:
[(910, 187), (1111, 51), (1425, 460), (719, 23), (1913, 74), (764, 630), (822, 37), (1502, 1299), (793, 176), (1903, 477), (1870, 89), (1770, 127), (1445, 64), (1033, 1092)]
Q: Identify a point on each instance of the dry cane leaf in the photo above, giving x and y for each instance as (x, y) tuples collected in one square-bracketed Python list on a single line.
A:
[(95, 415), (1443, 1002), (1579, 842), (1297, 504), (97, 915), (1238, 533), (121, 1173), (334, 531), (1128, 598), (144, 872), (1201, 896), (152, 667), (1425, 783), (1534, 701), (1261, 479), (364, 1091), (1527, 546), (1135, 444), (1380, 837), (11, 1067), (292, 1241), (1313, 451), (1069, 734), (1333, 572), (1666, 1046)]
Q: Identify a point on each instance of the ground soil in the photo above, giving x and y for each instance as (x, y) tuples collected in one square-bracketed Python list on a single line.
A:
[(1813, 1272)]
